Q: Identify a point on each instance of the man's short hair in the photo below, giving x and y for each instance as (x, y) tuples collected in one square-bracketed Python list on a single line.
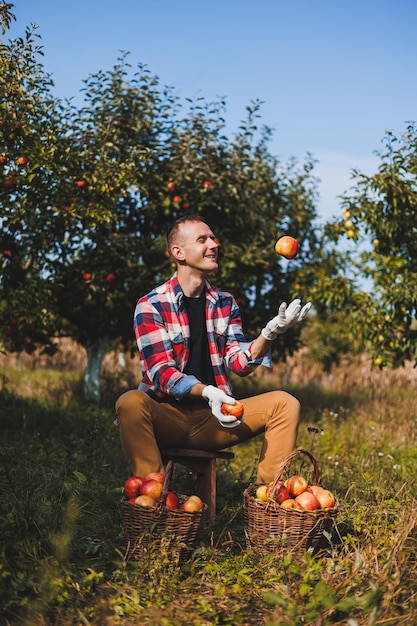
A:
[(173, 229)]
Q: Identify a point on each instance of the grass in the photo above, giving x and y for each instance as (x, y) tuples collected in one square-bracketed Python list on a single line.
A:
[(63, 552)]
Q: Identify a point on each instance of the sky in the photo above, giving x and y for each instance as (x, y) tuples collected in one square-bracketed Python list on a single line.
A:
[(333, 75)]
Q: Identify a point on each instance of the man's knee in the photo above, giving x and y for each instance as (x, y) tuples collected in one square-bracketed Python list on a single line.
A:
[(293, 403), (285, 402), (131, 404)]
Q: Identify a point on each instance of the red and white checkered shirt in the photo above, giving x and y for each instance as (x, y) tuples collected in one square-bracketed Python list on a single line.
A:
[(163, 338)]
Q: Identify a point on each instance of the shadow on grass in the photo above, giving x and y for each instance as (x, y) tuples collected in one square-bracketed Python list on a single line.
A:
[(314, 399)]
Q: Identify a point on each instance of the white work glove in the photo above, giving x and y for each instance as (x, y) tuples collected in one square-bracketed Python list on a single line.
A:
[(215, 398), (288, 316)]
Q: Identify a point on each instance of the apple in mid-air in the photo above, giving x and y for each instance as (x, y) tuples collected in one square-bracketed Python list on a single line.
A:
[(287, 247)]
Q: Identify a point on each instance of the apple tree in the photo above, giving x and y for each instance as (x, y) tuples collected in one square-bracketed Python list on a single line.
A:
[(140, 159), (89, 192), (371, 291), (32, 132), (110, 185)]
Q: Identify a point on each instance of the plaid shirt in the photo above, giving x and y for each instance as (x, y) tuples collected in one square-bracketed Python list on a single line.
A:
[(163, 338)]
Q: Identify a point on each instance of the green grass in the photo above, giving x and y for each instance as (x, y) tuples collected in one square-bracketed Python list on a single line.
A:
[(63, 552)]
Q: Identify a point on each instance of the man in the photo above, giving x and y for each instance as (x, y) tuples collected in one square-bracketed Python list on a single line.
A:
[(189, 333)]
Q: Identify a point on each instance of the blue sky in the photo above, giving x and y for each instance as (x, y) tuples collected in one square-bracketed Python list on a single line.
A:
[(333, 75)]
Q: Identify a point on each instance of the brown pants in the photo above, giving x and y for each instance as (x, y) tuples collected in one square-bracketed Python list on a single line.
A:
[(146, 426)]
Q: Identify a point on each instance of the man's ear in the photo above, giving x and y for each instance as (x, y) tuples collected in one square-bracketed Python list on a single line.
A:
[(177, 252)]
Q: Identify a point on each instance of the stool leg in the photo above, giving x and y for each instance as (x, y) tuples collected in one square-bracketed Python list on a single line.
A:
[(206, 485)]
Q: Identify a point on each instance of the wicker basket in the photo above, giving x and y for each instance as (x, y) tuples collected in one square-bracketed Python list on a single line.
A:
[(269, 527), (144, 526)]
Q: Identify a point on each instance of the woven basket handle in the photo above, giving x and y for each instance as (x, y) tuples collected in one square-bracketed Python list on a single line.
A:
[(160, 503), (286, 462)]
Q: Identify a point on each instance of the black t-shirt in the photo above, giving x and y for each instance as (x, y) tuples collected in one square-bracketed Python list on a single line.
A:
[(199, 364)]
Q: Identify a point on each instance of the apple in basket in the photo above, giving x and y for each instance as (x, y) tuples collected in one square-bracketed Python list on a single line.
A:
[(308, 501), (151, 488), (191, 504), (132, 486), (144, 500), (281, 492), (171, 501), (260, 493), (296, 484), (155, 476), (291, 503), (324, 496)]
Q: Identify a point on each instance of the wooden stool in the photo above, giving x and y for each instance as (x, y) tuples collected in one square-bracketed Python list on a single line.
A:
[(203, 463)]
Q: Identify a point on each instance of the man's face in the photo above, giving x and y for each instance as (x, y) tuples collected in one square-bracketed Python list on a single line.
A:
[(196, 246)]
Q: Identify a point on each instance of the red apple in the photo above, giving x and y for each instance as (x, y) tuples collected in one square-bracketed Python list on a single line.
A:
[(176, 199), (86, 276), (22, 160), (296, 485), (132, 486), (308, 501), (171, 185), (287, 247), (193, 503), (145, 500), (207, 183), (151, 488), (110, 278), (233, 409), (324, 496), (171, 501), (8, 183), (80, 183), (290, 503), (3, 159), (281, 492), (155, 476)]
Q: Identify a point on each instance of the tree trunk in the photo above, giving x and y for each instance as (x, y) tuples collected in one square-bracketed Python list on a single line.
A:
[(92, 382)]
